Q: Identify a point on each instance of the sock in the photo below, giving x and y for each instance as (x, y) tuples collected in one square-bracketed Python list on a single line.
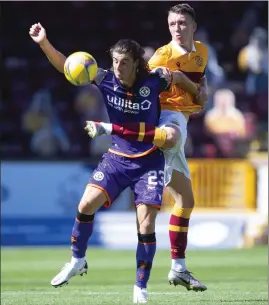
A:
[(178, 231), (178, 264), (141, 132), (145, 252), (107, 127), (78, 262), (81, 233)]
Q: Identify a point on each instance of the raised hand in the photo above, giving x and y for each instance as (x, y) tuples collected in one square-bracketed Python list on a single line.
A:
[(38, 33)]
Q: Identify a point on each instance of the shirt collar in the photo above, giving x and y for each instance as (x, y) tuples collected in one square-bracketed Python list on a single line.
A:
[(182, 50)]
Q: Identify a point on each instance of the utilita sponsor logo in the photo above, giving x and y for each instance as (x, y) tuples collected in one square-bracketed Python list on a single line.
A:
[(126, 105)]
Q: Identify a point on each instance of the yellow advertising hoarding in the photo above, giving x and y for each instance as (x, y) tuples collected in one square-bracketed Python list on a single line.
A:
[(221, 184)]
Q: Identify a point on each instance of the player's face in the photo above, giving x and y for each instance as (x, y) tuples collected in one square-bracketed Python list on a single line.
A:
[(181, 27), (124, 66)]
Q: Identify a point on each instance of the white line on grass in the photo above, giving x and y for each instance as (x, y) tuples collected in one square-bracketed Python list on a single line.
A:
[(14, 293), (20, 292)]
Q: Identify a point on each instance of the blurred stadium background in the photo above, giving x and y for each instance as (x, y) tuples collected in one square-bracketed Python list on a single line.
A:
[(47, 157)]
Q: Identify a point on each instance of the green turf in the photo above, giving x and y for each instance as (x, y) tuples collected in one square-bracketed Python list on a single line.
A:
[(236, 277)]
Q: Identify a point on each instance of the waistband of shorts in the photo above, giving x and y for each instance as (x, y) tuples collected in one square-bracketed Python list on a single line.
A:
[(119, 156), (133, 156)]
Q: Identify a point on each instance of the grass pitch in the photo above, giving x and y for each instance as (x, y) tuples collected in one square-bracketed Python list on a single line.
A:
[(236, 277)]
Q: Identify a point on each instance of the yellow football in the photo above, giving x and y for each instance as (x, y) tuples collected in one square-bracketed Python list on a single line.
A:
[(80, 68)]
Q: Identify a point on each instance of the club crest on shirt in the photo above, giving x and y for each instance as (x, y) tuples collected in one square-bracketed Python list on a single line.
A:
[(199, 61), (144, 91), (98, 176)]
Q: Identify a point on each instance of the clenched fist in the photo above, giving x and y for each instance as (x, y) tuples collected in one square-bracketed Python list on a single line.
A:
[(38, 33)]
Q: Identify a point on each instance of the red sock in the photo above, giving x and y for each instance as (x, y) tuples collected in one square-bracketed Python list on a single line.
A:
[(178, 231), (141, 132)]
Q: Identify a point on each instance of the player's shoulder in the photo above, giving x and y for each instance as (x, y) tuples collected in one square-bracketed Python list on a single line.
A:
[(165, 50), (101, 74), (200, 47), (163, 77), (160, 57), (156, 72)]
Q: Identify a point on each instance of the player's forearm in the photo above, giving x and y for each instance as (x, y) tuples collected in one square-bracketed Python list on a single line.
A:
[(56, 58), (204, 88), (181, 80), (202, 97), (142, 132), (203, 84)]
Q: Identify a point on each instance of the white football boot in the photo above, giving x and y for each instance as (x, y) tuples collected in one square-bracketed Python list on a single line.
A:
[(67, 272), (186, 280)]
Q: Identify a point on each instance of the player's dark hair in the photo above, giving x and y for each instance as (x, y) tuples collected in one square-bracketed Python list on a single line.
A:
[(183, 8), (125, 46)]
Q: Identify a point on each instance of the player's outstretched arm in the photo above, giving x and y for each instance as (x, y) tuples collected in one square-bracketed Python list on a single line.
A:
[(200, 94), (178, 78), (181, 80), (38, 34), (142, 132)]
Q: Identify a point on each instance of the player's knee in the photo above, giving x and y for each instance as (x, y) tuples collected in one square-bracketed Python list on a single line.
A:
[(87, 207), (91, 201), (181, 189), (147, 227), (186, 202), (191, 202), (187, 199), (184, 199), (146, 216)]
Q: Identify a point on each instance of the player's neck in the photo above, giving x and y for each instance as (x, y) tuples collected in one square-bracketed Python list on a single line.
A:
[(128, 83), (185, 45)]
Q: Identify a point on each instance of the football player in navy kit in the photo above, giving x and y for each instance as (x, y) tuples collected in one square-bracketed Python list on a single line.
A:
[(131, 93)]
